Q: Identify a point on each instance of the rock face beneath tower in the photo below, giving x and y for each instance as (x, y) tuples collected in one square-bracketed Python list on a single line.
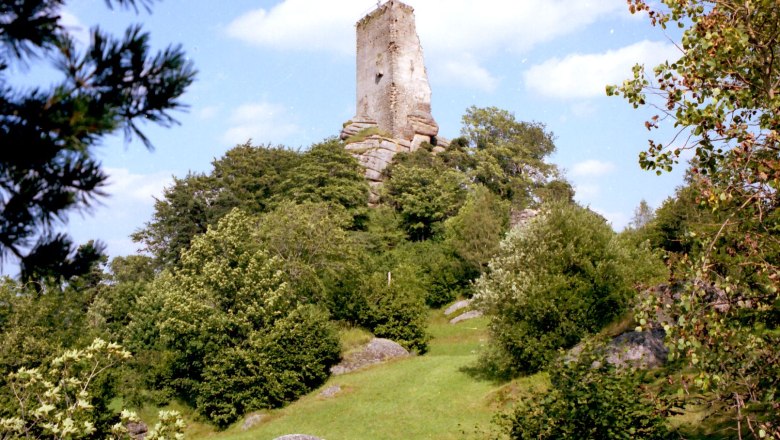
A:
[(393, 95)]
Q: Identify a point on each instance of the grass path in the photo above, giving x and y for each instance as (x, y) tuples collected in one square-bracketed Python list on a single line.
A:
[(423, 397)]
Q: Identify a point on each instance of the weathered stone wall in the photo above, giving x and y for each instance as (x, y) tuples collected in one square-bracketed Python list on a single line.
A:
[(392, 84), (393, 94)]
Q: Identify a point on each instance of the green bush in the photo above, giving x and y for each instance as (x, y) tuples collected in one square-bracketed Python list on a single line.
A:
[(559, 277), (476, 230), (395, 308), (424, 197), (441, 275), (588, 401), (271, 369), (303, 345), (232, 334)]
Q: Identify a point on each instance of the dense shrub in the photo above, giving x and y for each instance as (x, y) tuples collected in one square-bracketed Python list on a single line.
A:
[(233, 336), (395, 307), (559, 277), (474, 233), (271, 369), (424, 197), (588, 401), (440, 274)]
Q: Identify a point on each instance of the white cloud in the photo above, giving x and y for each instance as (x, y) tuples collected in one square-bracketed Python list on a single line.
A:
[(208, 112), (75, 28), (467, 72), (261, 122), (457, 26), (457, 35), (124, 185), (476, 27), (586, 75), (592, 168), (301, 25)]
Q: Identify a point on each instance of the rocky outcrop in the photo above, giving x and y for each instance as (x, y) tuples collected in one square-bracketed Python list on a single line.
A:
[(642, 350), (638, 349), (375, 152), (471, 314), (457, 306), (422, 123), (376, 351), (521, 216), (355, 126), (137, 430)]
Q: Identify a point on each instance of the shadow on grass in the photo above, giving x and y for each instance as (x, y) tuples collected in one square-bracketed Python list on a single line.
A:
[(485, 369)]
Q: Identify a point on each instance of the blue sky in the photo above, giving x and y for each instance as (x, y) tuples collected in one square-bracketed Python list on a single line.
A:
[(282, 72)]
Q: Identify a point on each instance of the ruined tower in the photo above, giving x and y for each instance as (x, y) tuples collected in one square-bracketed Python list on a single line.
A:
[(393, 108)]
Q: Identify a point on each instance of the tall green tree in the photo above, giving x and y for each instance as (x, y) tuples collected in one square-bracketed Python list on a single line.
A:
[(722, 96), (424, 197), (327, 173), (256, 179), (504, 154), (46, 166), (317, 252), (474, 233), (249, 176), (185, 210)]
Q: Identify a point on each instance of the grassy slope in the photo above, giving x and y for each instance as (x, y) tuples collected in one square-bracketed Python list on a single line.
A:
[(424, 397)]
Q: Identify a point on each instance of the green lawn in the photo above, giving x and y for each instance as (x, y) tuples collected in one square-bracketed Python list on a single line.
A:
[(423, 397)]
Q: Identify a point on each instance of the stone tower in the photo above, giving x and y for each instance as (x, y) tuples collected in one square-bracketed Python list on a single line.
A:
[(393, 109)]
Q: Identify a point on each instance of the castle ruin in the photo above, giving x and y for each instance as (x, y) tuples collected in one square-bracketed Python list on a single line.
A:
[(393, 111)]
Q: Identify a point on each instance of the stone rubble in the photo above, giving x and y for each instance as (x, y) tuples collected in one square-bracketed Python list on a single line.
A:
[(376, 351)]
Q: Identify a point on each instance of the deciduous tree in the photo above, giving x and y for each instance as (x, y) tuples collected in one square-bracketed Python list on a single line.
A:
[(504, 154), (722, 97)]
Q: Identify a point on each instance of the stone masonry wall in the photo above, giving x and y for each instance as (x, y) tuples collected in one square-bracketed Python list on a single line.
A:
[(393, 94), (392, 84)]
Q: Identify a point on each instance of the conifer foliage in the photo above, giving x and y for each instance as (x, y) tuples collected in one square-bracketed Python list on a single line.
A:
[(46, 165)]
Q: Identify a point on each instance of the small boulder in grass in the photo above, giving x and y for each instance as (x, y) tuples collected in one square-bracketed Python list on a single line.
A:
[(471, 314), (298, 437), (457, 306), (330, 391), (137, 430), (252, 420), (376, 351)]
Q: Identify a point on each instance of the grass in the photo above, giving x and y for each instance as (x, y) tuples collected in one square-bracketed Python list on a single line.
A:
[(352, 338), (422, 397), (366, 132)]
